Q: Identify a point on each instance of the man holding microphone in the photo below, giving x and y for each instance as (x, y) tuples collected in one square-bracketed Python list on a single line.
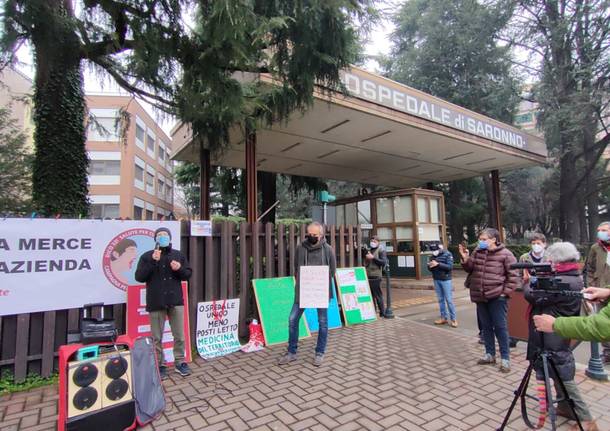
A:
[(163, 270)]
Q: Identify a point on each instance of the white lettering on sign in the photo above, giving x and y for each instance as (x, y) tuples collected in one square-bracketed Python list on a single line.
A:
[(431, 110)]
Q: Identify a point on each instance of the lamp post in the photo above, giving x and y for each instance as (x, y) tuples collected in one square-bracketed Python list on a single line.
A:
[(389, 314), (595, 368)]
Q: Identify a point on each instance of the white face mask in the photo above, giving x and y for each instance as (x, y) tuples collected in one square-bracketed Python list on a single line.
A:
[(537, 248), (374, 245), (435, 252)]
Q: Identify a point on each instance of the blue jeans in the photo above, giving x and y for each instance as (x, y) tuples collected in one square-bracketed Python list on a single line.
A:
[(293, 328), (494, 325), (444, 293)]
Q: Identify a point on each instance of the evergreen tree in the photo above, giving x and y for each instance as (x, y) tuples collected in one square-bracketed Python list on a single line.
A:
[(15, 167), (450, 50)]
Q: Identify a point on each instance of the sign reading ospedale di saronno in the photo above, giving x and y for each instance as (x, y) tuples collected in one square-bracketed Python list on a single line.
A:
[(367, 89)]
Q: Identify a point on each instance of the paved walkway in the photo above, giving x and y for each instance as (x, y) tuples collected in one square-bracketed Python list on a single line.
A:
[(388, 375)]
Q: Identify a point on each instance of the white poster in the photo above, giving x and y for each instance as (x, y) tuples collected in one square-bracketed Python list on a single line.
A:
[(410, 261), (49, 264), (313, 286), (402, 261), (201, 228), (217, 326)]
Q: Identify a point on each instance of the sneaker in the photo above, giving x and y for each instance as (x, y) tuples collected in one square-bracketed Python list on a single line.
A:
[(440, 322), (163, 372), (454, 324), (287, 358), (183, 369), (317, 360), (487, 360), (505, 366)]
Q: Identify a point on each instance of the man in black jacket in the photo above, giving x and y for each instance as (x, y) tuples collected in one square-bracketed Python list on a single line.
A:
[(441, 266), (313, 251), (163, 270), (376, 259)]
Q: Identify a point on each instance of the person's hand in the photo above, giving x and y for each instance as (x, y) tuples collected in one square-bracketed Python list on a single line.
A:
[(464, 253), (432, 263), (544, 323), (526, 276), (596, 294), (369, 256), (156, 255), (175, 265)]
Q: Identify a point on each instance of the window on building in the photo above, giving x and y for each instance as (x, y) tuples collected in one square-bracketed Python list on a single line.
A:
[(340, 215), (364, 212), (138, 212), (140, 134), (150, 180), (160, 188), (422, 210), (385, 213), (103, 125), (105, 167), (149, 215), (434, 210), (139, 173), (161, 155), (169, 194), (150, 144), (104, 210), (403, 209), (386, 238), (404, 239)]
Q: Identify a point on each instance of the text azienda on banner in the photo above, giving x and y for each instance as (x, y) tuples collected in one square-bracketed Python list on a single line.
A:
[(45, 265)]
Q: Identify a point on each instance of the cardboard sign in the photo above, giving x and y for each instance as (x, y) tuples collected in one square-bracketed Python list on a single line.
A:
[(201, 228), (274, 299), (314, 284), (217, 326), (355, 295), (138, 323)]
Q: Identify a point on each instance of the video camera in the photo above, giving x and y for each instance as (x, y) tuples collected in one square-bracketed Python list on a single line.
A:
[(544, 281)]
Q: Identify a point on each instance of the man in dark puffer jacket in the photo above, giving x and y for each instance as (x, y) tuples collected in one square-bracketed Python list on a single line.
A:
[(163, 270), (491, 283)]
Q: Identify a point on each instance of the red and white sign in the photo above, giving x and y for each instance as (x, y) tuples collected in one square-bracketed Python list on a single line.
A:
[(138, 323)]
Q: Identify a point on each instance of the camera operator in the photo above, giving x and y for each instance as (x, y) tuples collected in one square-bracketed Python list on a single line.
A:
[(547, 300), (376, 259), (441, 266)]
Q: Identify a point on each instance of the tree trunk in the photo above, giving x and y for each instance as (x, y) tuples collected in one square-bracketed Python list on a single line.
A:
[(60, 159), (591, 185), (569, 227), (456, 229), (491, 208)]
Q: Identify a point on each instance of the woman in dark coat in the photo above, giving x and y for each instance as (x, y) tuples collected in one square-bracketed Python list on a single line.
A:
[(491, 283), (565, 260)]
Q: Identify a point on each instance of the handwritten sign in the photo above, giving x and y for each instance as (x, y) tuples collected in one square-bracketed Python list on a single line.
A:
[(217, 325), (314, 281)]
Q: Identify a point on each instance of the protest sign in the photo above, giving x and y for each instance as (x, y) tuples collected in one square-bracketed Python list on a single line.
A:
[(49, 264), (313, 286), (334, 317), (138, 323), (217, 326), (355, 294), (274, 298), (201, 228)]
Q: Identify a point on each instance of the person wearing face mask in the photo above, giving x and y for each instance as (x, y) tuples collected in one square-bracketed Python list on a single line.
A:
[(163, 270), (597, 269), (491, 283), (441, 266), (376, 259), (313, 251)]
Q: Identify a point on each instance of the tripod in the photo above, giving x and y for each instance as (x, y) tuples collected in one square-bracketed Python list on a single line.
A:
[(521, 392)]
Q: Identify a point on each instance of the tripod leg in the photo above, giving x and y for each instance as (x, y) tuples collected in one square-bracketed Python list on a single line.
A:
[(566, 395), (549, 390), (520, 392)]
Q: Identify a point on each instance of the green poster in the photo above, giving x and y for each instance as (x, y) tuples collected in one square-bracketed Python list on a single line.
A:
[(274, 298), (355, 293)]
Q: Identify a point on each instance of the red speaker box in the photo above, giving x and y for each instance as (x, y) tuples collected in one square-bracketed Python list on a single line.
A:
[(96, 393)]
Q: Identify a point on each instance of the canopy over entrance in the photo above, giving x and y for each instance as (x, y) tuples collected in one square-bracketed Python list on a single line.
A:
[(383, 133)]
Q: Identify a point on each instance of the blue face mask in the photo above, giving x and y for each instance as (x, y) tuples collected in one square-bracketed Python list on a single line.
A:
[(603, 236), (483, 245), (163, 240)]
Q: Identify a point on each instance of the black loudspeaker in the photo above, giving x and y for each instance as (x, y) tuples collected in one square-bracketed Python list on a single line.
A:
[(100, 393)]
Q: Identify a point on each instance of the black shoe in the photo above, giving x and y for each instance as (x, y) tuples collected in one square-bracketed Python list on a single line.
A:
[(512, 344), (163, 372), (183, 369), (481, 341)]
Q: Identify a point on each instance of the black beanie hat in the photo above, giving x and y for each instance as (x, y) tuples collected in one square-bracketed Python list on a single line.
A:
[(163, 229)]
